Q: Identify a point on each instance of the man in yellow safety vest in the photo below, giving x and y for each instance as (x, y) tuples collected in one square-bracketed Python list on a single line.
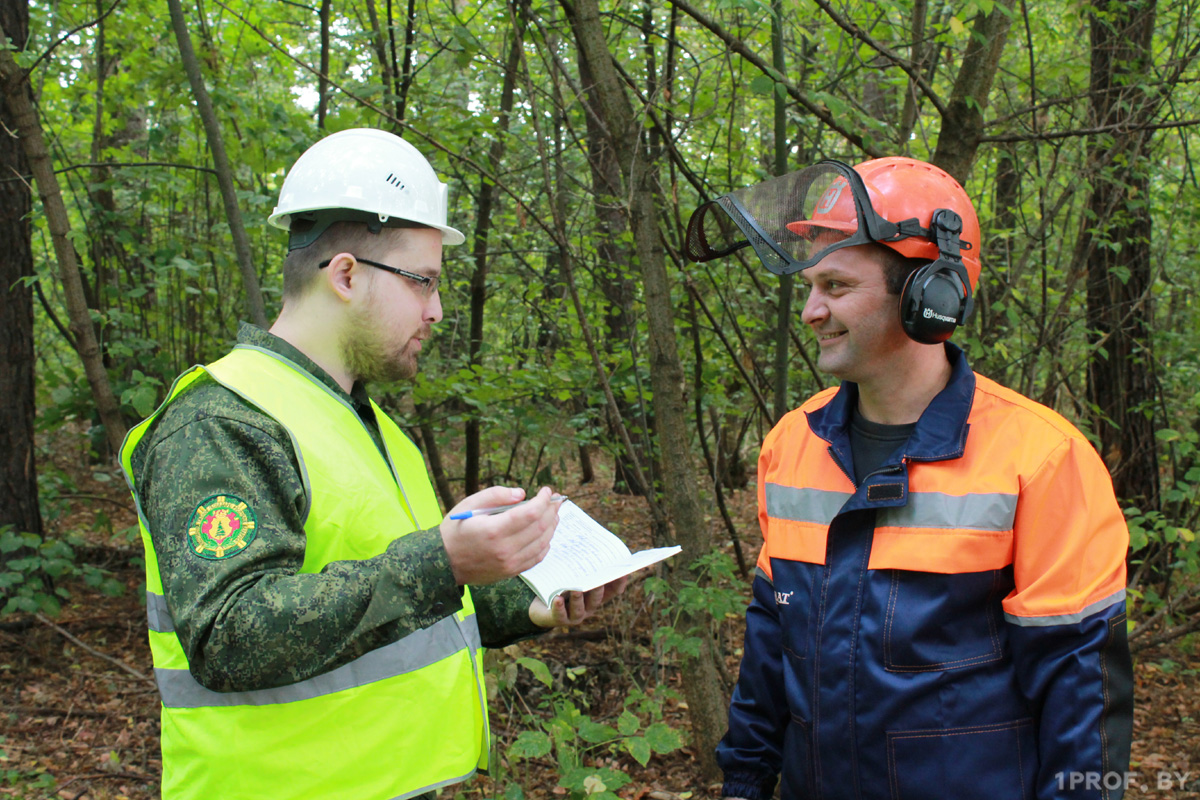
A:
[(311, 624)]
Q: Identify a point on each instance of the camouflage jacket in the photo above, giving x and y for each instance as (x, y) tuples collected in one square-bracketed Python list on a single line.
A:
[(234, 616)]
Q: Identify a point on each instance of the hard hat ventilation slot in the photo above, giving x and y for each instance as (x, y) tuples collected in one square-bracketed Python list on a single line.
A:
[(394, 180)]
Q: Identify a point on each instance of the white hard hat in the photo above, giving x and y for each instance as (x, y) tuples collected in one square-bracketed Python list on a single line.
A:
[(365, 175)]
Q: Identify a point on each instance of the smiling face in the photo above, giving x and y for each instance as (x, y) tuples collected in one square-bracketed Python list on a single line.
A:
[(855, 319), (384, 332)]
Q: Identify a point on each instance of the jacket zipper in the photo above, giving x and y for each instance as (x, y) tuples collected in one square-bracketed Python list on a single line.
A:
[(882, 470)]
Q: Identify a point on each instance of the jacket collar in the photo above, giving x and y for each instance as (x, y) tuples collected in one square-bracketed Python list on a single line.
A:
[(941, 431), (251, 334)]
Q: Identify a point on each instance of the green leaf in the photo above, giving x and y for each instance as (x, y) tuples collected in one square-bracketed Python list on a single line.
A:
[(628, 723), (539, 670), (639, 748), (595, 732), (663, 738), (1137, 539), (10, 542), (530, 744), (762, 84)]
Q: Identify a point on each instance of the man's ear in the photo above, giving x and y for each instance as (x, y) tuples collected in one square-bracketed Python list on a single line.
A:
[(344, 275)]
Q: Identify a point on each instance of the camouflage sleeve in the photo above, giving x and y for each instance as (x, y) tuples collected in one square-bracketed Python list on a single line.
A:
[(251, 621), (502, 610)]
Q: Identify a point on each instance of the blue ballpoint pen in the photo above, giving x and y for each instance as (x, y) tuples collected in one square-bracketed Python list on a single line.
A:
[(479, 512)]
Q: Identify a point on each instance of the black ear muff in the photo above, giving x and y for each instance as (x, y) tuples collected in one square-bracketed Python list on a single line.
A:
[(936, 298), (933, 303)]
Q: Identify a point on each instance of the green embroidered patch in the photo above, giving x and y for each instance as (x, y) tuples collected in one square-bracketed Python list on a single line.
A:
[(221, 527)]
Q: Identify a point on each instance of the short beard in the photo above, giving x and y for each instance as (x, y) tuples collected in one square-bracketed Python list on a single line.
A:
[(368, 357)]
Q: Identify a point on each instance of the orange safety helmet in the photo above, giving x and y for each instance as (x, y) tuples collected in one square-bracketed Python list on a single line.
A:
[(899, 189), (891, 201)]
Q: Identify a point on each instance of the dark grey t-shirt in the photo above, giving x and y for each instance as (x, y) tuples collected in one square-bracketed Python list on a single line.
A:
[(872, 442)]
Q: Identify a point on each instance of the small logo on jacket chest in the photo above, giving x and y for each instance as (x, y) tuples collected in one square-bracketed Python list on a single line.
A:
[(781, 598)]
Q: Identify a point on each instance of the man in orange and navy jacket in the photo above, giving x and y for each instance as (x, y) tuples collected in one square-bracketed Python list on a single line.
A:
[(939, 606)]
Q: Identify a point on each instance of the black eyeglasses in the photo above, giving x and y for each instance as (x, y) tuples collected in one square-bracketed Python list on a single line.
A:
[(428, 283)]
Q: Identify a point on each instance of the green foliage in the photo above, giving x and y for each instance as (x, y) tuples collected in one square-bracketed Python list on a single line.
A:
[(34, 569), (22, 782), (1166, 540), (714, 593), (561, 727)]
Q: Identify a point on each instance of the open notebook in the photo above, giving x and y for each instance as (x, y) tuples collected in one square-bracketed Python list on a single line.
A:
[(584, 555)]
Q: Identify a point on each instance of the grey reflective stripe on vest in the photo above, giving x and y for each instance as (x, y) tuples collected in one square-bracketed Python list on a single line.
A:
[(982, 511), (157, 616), (415, 651), (435, 786)]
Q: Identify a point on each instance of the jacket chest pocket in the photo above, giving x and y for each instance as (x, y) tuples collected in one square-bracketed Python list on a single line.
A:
[(937, 622), (793, 584)]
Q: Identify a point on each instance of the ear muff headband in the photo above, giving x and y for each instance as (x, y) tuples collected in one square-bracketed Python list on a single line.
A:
[(936, 298)]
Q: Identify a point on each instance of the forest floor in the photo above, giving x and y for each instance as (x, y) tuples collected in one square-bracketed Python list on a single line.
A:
[(79, 710)]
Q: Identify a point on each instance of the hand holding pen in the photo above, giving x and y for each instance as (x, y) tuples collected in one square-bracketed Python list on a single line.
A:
[(484, 545), (479, 512)]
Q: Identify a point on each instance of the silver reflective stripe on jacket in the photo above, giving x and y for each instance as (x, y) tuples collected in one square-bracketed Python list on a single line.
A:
[(415, 651), (804, 505), (994, 511)]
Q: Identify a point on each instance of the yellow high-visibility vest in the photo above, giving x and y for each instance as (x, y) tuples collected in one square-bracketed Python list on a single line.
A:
[(398, 721)]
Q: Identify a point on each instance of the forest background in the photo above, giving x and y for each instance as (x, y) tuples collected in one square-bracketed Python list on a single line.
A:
[(144, 148)]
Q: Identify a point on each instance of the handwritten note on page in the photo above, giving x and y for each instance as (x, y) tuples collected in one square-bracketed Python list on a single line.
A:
[(584, 555)]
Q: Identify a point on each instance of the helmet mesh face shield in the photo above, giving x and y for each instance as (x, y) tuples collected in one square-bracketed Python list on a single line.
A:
[(792, 222)]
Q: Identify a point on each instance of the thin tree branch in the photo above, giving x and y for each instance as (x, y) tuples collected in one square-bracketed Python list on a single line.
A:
[(114, 164), (68, 35), (42, 618), (216, 144), (904, 64), (1170, 634), (1116, 128), (66, 334), (738, 46)]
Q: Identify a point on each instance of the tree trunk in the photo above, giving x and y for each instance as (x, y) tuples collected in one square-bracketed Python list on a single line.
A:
[(962, 124), (912, 108), (323, 78), (405, 72), (613, 270), (701, 677), (429, 446), (783, 319), (216, 143), (20, 106), (483, 227), (1120, 381), (18, 476), (381, 43)]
